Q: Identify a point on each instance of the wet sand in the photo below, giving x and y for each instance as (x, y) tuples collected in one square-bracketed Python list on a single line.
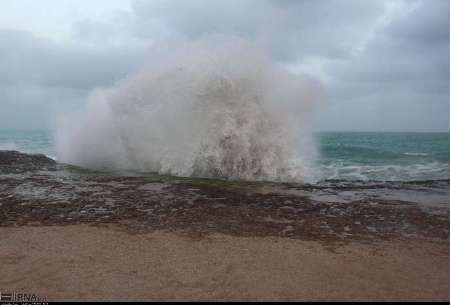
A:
[(83, 262)]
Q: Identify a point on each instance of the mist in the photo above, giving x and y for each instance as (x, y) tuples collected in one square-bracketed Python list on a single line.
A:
[(214, 107)]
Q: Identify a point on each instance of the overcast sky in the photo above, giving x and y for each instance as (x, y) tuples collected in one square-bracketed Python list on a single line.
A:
[(384, 65)]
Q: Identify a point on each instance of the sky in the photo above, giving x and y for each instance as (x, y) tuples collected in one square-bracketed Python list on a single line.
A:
[(384, 64)]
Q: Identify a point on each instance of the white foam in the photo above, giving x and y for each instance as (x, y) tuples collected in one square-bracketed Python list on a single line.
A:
[(391, 172), (217, 107), (416, 154)]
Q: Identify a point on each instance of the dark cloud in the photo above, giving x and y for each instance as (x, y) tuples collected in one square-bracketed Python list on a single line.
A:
[(427, 26), (290, 28), (27, 59), (39, 77), (400, 80), (386, 76)]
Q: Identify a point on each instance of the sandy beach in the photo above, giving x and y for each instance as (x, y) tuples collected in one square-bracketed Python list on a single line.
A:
[(83, 262)]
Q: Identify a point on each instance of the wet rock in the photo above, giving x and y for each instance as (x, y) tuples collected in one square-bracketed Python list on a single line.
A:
[(39, 197), (287, 230), (14, 162), (288, 209)]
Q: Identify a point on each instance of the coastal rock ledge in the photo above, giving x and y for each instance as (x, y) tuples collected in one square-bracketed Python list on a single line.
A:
[(36, 190), (17, 162)]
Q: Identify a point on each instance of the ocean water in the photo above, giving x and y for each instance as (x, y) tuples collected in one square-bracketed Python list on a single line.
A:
[(36, 141), (385, 156), (343, 155)]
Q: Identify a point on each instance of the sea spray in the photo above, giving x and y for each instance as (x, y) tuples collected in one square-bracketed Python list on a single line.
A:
[(217, 107)]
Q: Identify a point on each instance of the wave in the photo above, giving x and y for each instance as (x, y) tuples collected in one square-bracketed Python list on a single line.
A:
[(385, 172), (217, 107), (416, 154), (339, 151)]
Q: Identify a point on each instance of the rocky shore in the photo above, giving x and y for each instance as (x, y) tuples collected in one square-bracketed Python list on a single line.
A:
[(34, 190)]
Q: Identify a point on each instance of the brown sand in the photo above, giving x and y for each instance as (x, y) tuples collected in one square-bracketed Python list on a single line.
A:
[(91, 263)]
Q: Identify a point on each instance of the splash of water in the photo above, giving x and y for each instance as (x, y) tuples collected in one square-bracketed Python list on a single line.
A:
[(212, 108)]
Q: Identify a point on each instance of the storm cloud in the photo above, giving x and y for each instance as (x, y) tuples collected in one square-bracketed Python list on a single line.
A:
[(384, 65)]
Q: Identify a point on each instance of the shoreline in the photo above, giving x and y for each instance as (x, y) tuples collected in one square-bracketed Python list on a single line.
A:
[(331, 213), (70, 234)]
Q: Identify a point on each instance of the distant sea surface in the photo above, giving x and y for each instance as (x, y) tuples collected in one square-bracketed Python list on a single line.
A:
[(385, 156), (343, 155), (28, 141)]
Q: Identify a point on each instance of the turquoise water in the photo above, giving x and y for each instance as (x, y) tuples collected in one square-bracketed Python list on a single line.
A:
[(343, 155), (27, 141), (385, 156)]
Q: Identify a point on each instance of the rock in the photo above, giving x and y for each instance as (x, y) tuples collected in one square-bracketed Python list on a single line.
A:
[(219, 206), (17, 162), (287, 230), (288, 209), (152, 187)]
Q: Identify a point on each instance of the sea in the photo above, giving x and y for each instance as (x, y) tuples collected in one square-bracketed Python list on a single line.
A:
[(362, 156)]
